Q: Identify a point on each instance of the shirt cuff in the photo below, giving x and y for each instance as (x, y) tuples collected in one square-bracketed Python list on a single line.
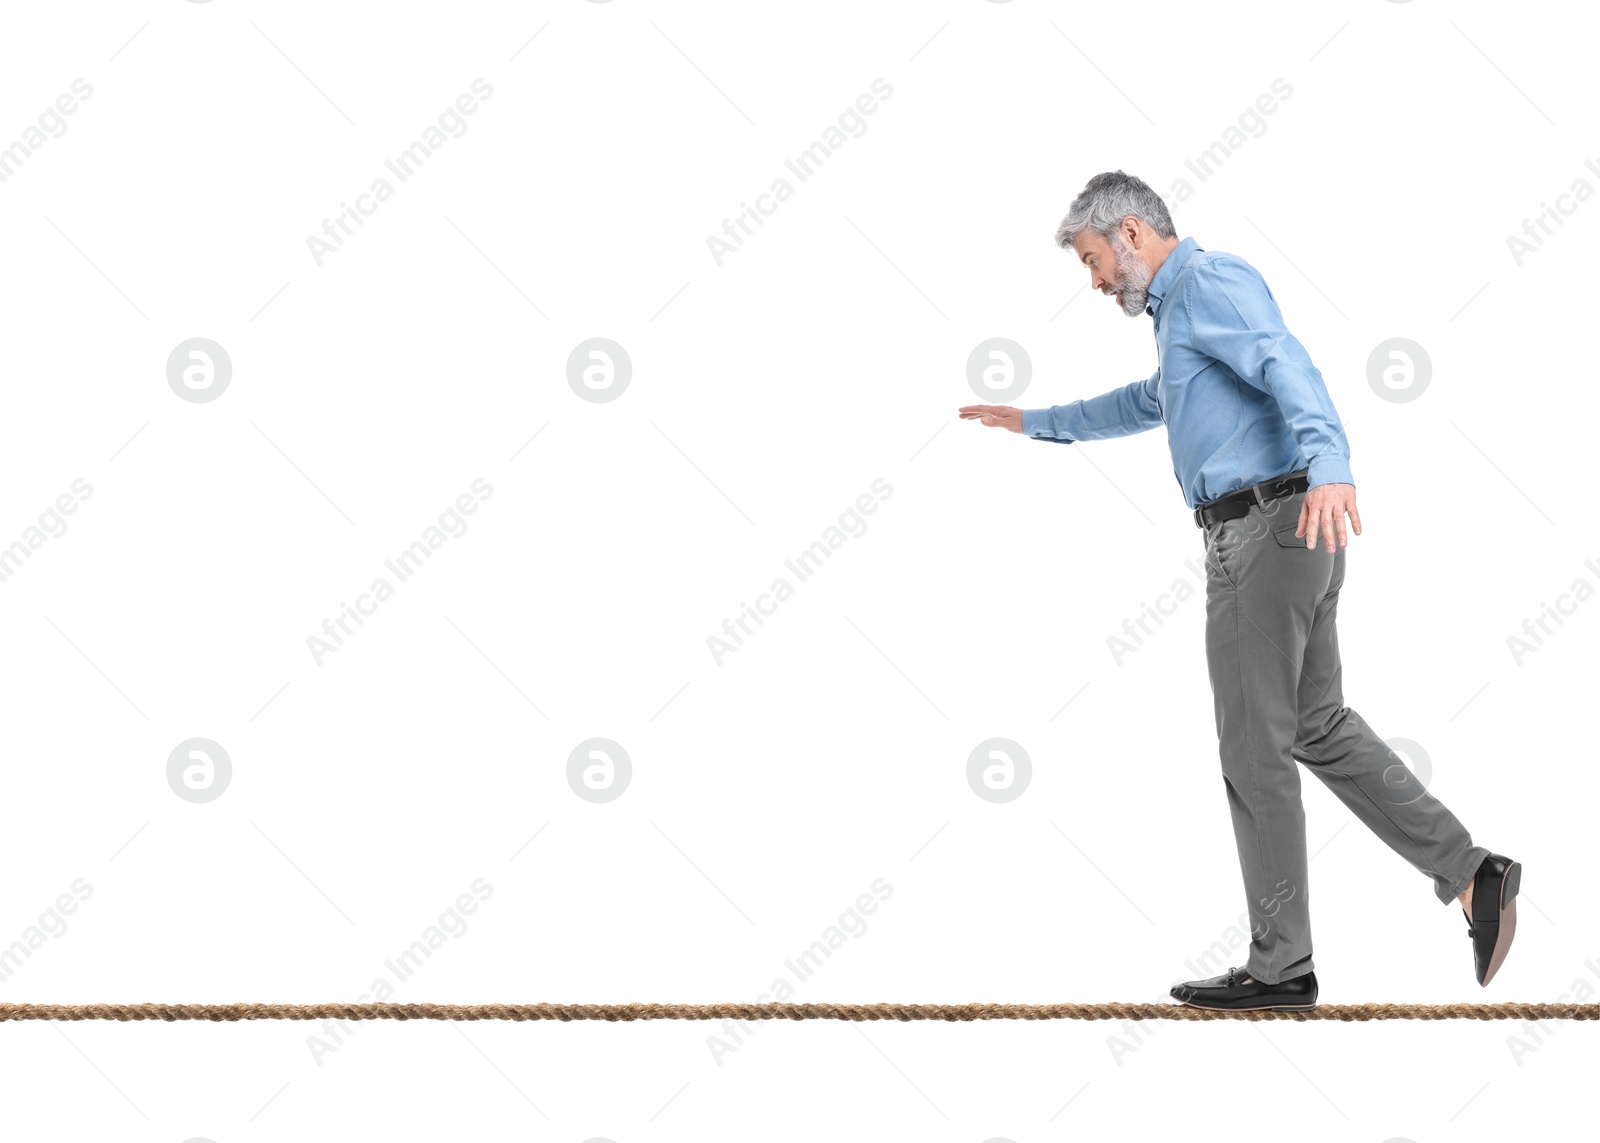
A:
[(1036, 424), (1330, 468)]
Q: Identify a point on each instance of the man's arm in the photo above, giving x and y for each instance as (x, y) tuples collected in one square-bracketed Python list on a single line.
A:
[(1233, 318), (1131, 409)]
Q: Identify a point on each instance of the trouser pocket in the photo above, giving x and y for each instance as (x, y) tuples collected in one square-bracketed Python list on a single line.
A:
[(1222, 542)]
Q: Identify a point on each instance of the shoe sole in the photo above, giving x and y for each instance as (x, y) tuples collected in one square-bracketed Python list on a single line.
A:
[(1507, 925), (1257, 1008)]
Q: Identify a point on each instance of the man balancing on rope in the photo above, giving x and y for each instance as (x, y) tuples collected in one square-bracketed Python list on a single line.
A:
[(1261, 457)]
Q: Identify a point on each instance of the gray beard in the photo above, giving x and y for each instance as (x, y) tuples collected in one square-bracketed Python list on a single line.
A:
[(1133, 281)]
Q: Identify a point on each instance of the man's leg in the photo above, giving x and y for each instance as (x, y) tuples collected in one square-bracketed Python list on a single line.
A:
[(1340, 748), (1261, 604)]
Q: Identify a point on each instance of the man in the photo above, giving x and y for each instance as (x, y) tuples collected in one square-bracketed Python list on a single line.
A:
[(1261, 457)]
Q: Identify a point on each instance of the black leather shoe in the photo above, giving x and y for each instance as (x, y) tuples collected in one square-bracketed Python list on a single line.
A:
[(1494, 913), (1237, 991)]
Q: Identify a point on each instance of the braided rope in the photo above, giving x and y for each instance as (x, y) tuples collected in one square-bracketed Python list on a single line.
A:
[(783, 1011)]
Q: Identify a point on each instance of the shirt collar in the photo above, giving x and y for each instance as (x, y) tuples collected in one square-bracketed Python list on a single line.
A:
[(1161, 284)]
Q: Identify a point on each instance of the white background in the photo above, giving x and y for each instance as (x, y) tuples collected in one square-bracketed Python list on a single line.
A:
[(768, 392)]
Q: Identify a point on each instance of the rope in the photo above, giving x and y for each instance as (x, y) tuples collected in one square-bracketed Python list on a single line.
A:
[(783, 1011)]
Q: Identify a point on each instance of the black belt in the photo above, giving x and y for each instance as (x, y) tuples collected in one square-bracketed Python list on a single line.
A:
[(1236, 504)]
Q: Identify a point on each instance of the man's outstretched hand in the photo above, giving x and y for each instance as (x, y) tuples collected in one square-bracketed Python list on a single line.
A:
[(1003, 416), (1323, 511)]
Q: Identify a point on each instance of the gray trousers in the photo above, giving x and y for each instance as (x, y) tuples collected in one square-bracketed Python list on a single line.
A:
[(1273, 658)]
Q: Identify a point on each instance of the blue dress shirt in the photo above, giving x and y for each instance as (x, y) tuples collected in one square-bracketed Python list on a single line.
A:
[(1237, 391)]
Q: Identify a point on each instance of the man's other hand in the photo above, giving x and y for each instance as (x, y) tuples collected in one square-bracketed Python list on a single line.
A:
[(1323, 512), (1003, 416)]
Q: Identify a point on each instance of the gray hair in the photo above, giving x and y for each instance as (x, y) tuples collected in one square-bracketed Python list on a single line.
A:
[(1106, 200)]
